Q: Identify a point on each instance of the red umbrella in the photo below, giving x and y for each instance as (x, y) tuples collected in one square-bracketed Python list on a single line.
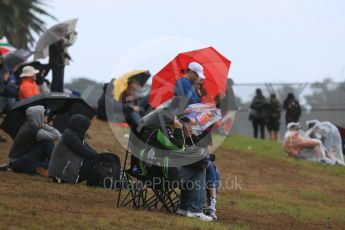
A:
[(216, 69), (5, 47)]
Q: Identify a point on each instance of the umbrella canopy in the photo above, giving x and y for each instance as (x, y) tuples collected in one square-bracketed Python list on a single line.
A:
[(5, 47), (42, 68), (53, 35), (16, 57), (164, 114), (121, 83), (216, 69), (61, 104)]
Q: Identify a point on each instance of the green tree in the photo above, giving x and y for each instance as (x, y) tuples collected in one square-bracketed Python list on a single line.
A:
[(20, 20)]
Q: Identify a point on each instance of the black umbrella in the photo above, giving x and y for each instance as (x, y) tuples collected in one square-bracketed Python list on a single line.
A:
[(43, 68), (61, 104), (16, 57)]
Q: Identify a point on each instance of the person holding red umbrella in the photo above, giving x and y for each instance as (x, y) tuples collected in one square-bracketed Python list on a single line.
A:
[(188, 85), (208, 63)]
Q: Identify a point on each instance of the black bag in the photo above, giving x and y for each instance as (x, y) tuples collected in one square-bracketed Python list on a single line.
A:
[(106, 172), (196, 157)]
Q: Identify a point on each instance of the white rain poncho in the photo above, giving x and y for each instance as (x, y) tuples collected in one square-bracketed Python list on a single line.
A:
[(330, 137)]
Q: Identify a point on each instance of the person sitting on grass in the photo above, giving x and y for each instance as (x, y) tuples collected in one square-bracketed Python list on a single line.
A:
[(33, 144), (73, 159), (127, 98), (28, 87), (110, 109), (8, 91)]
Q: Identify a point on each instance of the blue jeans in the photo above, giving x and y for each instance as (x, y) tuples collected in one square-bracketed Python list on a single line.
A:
[(212, 176), (133, 118), (6, 103), (38, 156), (193, 191)]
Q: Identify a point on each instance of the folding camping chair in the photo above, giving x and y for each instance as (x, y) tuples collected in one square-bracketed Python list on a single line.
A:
[(140, 191)]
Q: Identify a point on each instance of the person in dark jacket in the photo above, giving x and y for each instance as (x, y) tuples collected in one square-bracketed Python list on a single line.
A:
[(8, 90), (57, 56), (72, 158), (292, 108), (118, 112), (273, 122), (167, 138), (33, 144), (258, 113)]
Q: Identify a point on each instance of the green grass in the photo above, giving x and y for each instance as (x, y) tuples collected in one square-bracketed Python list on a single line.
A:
[(273, 150), (277, 192)]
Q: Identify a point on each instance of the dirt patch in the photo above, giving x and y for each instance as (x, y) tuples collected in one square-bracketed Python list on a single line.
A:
[(33, 201)]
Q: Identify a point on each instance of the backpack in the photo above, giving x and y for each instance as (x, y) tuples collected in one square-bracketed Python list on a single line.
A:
[(293, 109), (106, 172)]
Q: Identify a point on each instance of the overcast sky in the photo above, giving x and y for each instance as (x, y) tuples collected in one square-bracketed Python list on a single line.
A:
[(267, 41)]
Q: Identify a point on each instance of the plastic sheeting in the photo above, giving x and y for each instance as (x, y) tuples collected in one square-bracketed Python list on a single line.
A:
[(322, 143), (330, 137)]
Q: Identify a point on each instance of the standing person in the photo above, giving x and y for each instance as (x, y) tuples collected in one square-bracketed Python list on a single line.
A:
[(258, 113), (57, 56), (73, 159), (28, 87), (33, 144), (188, 85), (292, 108), (273, 122)]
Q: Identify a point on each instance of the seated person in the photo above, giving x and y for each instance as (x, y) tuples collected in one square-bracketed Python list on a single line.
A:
[(8, 91), (127, 99), (330, 138), (107, 103), (212, 174), (191, 180), (73, 159), (28, 87), (33, 144), (187, 85), (297, 144)]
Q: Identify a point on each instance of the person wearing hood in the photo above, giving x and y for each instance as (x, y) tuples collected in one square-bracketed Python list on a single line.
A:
[(73, 159), (33, 144), (258, 113), (293, 109)]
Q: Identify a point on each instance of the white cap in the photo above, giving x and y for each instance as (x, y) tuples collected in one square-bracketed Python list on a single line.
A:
[(29, 71), (196, 67)]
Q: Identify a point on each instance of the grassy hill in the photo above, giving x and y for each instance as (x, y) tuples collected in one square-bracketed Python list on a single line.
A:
[(261, 189)]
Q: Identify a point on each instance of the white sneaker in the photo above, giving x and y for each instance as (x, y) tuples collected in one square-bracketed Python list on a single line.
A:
[(181, 212), (199, 215), (212, 208)]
